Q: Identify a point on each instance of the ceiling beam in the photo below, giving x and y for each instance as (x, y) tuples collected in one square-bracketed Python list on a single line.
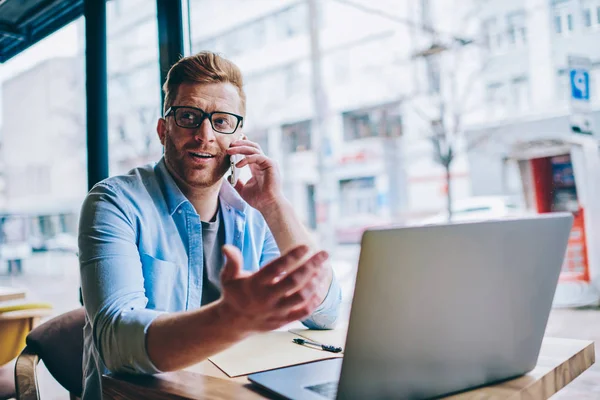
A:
[(11, 30)]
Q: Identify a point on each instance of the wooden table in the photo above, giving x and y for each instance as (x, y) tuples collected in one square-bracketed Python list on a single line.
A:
[(559, 363), (8, 293)]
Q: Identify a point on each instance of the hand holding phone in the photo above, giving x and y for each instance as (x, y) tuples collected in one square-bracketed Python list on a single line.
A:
[(235, 172)]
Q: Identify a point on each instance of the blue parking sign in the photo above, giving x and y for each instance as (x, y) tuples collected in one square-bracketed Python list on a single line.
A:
[(580, 84)]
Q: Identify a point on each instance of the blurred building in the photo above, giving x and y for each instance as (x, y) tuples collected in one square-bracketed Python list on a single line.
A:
[(526, 82)]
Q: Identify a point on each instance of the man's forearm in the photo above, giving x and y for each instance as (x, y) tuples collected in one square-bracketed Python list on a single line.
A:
[(286, 227), (289, 231), (178, 340)]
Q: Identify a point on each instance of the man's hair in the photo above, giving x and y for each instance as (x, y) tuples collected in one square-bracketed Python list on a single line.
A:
[(203, 67)]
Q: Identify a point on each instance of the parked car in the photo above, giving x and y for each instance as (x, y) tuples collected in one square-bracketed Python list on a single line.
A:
[(480, 208)]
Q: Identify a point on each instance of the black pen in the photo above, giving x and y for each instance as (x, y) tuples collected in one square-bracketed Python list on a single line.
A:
[(325, 347)]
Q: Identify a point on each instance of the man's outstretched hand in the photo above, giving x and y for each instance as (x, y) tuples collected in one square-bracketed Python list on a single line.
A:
[(287, 289)]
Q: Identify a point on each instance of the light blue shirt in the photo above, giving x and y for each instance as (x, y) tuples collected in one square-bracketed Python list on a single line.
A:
[(140, 255)]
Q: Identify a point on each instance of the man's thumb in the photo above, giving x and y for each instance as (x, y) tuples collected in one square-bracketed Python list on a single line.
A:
[(233, 263)]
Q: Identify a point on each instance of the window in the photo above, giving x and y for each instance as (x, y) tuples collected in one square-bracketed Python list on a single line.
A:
[(493, 35), (497, 98), (492, 92), (563, 18), (587, 17), (297, 136), (520, 93), (358, 196), (570, 22), (384, 121), (133, 87), (591, 13), (44, 165), (517, 27), (558, 24)]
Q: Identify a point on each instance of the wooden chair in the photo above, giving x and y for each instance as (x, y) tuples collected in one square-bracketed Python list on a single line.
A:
[(16, 321), (59, 343)]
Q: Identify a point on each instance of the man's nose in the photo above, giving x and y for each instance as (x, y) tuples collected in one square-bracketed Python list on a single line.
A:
[(205, 132)]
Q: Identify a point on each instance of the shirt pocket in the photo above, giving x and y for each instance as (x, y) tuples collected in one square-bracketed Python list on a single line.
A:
[(159, 282)]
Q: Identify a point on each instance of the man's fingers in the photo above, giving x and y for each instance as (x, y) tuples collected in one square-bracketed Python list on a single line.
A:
[(296, 299), (281, 266), (298, 278), (262, 161), (244, 150), (239, 186), (304, 310), (245, 142), (233, 263)]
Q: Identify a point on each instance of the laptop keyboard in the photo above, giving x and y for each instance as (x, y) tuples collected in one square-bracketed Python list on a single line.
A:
[(328, 389)]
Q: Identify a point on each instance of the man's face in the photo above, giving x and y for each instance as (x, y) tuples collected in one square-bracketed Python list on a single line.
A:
[(186, 149)]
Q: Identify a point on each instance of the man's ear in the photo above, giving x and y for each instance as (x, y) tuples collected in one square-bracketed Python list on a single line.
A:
[(161, 129)]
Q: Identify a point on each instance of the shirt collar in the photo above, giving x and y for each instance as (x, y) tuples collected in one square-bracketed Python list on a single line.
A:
[(173, 195), (175, 198)]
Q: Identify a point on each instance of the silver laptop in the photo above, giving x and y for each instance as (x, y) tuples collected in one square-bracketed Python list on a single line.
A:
[(438, 310)]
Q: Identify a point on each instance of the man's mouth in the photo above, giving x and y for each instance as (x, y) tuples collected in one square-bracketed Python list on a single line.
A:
[(201, 154)]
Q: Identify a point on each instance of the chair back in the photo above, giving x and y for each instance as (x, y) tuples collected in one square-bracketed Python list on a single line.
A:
[(59, 343)]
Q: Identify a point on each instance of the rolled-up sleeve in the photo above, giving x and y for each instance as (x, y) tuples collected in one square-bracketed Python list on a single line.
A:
[(325, 316), (112, 282)]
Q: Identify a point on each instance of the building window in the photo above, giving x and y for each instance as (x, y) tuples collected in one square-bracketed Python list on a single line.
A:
[(563, 18), (359, 196), (296, 136), (493, 35), (570, 22), (558, 24), (383, 121), (517, 27), (587, 18), (520, 89), (497, 97), (591, 13)]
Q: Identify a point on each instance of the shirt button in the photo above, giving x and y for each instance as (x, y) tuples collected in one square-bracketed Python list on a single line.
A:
[(179, 211)]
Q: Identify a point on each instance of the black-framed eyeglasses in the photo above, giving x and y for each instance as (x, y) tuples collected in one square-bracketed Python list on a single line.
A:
[(192, 118)]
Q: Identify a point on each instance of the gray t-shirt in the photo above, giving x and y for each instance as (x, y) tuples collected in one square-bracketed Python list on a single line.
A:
[(213, 238)]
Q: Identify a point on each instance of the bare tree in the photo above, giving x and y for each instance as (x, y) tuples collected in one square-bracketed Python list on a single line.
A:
[(452, 96)]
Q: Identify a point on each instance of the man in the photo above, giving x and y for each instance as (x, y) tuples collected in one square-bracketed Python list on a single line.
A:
[(161, 292)]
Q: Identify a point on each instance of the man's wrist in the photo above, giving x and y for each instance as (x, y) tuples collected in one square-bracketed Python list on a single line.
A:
[(274, 207), (235, 322)]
